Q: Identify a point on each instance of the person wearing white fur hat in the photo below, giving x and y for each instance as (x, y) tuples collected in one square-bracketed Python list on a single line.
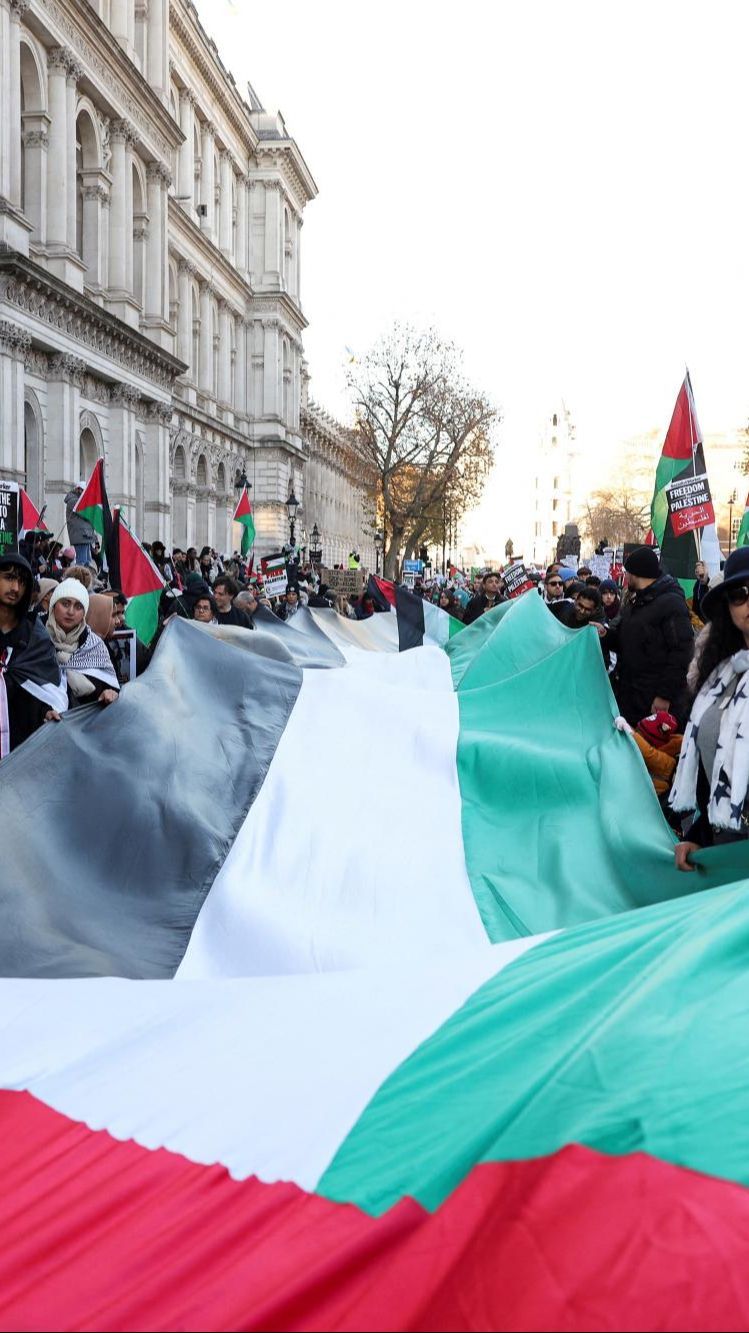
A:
[(81, 653)]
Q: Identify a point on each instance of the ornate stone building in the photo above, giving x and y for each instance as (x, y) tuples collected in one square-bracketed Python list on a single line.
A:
[(150, 314)]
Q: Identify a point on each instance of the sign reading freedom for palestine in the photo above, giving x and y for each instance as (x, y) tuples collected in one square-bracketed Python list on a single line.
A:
[(690, 504), (516, 579), (8, 516)]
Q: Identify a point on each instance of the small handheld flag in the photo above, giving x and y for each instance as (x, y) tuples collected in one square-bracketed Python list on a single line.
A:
[(243, 515)]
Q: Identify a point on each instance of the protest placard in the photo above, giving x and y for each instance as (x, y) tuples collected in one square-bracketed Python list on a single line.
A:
[(8, 516)]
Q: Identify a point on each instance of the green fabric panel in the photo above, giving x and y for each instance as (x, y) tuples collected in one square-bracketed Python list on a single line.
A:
[(625, 1035), (464, 648), (742, 538), (666, 471), (561, 823), (142, 614), (95, 516)]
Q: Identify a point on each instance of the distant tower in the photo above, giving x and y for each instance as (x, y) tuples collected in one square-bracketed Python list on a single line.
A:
[(555, 489)]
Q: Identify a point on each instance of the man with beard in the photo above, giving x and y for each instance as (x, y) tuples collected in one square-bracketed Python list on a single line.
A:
[(32, 690)]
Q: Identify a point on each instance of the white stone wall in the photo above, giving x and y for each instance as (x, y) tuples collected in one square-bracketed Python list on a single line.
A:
[(150, 277)]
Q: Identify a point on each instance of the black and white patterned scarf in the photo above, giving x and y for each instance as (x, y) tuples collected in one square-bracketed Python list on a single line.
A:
[(728, 688)]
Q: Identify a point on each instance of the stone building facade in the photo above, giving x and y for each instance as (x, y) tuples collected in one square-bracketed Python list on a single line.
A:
[(150, 310), (557, 496)]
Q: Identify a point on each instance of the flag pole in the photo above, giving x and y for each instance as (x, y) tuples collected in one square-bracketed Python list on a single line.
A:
[(690, 404)]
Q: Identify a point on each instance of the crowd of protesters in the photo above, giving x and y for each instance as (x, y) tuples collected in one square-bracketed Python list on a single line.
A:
[(677, 664)]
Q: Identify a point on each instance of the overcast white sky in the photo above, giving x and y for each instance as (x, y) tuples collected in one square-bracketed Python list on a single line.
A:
[(561, 188)]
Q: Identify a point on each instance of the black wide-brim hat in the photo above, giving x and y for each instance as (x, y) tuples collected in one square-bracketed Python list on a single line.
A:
[(735, 573)]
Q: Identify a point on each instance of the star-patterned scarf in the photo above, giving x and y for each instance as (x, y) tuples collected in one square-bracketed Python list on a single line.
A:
[(728, 687)]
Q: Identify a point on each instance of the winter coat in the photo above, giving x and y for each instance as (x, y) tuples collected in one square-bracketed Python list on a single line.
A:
[(654, 642), (80, 530), (478, 605)]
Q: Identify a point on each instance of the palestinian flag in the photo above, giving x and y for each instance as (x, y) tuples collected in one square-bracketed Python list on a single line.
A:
[(681, 504), (742, 537), (499, 1085), (422, 622), (94, 505), (139, 580), (30, 520), (243, 515), (382, 592)]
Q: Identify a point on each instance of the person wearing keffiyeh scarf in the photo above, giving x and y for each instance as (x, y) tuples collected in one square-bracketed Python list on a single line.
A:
[(712, 776), (81, 653)]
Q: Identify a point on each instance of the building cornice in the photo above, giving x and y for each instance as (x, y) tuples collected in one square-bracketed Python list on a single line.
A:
[(27, 287), (105, 64), (187, 29), (270, 304), (283, 155)]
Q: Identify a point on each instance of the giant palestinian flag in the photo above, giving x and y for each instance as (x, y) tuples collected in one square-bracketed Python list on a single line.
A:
[(451, 1045), (682, 505)]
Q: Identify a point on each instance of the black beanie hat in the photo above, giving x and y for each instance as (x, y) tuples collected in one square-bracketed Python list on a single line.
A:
[(643, 562)]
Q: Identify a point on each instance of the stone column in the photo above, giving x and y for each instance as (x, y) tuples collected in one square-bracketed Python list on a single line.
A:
[(186, 167), (119, 20), (64, 379), (240, 374), (242, 228), (271, 406), (95, 221), (71, 96), (157, 474), (207, 182), (57, 156), (158, 48), (273, 256), (121, 222), (140, 35), (184, 320), (14, 344), (205, 371), (36, 143), (13, 103), (124, 399), (159, 179), (224, 353), (225, 214)]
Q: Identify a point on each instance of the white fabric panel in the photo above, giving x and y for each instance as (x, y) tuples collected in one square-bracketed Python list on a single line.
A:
[(266, 1076), (378, 634), (352, 852)]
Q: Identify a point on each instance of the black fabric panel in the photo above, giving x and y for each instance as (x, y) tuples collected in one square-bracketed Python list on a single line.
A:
[(410, 610), (117, 820), (308, 644)]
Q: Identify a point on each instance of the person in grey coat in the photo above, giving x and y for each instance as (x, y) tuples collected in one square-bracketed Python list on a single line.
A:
[(80, 532)]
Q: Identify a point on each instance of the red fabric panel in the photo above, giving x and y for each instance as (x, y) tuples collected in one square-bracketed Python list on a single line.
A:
[(683, 432), (97, 1234)]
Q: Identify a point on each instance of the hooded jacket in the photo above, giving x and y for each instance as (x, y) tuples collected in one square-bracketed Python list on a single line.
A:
[(654, 642), (30, 680)]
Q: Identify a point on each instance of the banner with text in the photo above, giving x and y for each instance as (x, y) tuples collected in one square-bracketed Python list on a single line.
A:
[(517, 579), (690, 504), (274, 575), (8, 516)]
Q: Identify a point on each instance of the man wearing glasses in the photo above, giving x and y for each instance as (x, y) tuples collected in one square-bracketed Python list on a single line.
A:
[(554, 588)]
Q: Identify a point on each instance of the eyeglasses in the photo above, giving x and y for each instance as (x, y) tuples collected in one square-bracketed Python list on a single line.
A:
[(553, 583), (738, 596)]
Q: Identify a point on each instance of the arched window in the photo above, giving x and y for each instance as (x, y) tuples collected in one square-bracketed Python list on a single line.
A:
[(198, 158), (179, 499), (202, 507), (287, 404), (174, 108), (173, 296), (180, 465), (140, 236), (33, 139), (87, 454), (33, 449), (221, 480), (201, 472), (216, 349), (87, 213)]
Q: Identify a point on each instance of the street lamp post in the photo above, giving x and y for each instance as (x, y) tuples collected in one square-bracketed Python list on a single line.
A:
[(731, 503), (292, 504), (315, 540), (378, 544)]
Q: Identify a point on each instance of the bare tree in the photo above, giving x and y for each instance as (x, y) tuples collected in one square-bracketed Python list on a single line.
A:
[(425, 433), (617, 515)]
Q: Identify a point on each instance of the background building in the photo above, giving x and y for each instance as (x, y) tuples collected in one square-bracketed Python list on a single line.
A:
[(556, 497), (150, 310)]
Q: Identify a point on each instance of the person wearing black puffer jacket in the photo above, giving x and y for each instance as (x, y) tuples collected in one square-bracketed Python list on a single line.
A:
[(653, 640)]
